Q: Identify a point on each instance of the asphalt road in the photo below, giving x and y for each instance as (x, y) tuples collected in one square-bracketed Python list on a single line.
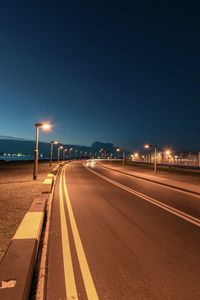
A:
[(117, 237)]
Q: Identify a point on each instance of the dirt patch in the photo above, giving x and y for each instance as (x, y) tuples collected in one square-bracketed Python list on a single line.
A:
[(17, 191)]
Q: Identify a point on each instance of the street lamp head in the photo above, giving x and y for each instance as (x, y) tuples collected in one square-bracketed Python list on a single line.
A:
[(45, 126), (61, 147), (147, 146), (118, 149), (168, 152)]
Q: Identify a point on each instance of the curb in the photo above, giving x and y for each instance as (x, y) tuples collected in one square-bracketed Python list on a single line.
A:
[(42, 264), (18, 263), (154, 181)]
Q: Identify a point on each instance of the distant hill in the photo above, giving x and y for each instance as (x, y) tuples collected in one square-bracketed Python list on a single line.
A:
[(18, 145)]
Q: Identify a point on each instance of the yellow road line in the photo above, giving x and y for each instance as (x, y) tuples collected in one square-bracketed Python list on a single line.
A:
[(164, 206), (70, 285), (87, 277), (30, 227)]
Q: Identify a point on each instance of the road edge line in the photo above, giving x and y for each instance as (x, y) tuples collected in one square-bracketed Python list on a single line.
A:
[(154, 181), (189, 218)]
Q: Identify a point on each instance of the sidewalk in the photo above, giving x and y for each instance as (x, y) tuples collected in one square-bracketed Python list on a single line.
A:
[(179, 183)]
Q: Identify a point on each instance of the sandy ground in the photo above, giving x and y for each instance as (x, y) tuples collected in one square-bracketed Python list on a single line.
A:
[(17, 191)]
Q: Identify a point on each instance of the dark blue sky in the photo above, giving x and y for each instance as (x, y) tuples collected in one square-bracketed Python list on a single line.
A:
[(126, 72)]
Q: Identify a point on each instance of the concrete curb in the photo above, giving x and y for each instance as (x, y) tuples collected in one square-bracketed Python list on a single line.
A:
[(18, 263), (42, 265), (154, 181)]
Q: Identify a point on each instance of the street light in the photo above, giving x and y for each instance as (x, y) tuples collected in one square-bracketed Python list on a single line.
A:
[(45, 126), (147, 146), (123, 155), (51, 150), (75, 153), (64, 155), (59, 148), (85, 154), (81, 154), (70, 150)]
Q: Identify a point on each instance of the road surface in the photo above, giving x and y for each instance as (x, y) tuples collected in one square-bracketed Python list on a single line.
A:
[(117, 237)]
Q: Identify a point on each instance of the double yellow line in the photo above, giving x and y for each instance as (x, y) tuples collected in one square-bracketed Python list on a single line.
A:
[(70, 284)]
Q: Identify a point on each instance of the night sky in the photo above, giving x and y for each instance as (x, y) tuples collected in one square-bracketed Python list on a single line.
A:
[(126, 72)]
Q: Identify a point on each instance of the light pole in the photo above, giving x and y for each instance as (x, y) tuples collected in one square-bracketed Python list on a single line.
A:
[(81, 154), (64, 155), (51, 151), (85, 154), (123, 155), (70, 150), (59, 148), (147, 146), (44, 126), (75, 153)]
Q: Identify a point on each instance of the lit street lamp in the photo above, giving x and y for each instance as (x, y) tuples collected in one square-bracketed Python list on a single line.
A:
[(51, 151), (70, 153), (123, 155), (64, 155), (147, 146), (45, 126), (59, 148), (75, 153)]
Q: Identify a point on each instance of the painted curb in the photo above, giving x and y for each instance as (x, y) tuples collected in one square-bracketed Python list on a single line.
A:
[(18, 263)]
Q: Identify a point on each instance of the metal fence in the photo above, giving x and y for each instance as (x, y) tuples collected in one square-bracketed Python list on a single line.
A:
[(182, 159)]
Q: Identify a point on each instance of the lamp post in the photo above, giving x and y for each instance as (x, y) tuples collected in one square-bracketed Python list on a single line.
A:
[(147, 146), (70, 153), (75, 153), (85, 154), (64, 155), (59, 148), (81, 154), (44, 126), (51, 151), (123, 155)]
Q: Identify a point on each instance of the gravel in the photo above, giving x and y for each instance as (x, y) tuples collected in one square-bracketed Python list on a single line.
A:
[(17, 191)]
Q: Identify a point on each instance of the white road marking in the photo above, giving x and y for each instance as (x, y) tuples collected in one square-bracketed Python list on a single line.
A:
[(70, 285), (153, 182), (166, 207), (87, 277)]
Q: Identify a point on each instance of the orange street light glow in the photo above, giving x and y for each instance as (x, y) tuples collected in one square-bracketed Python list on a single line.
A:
[(146, 146), (46, 126), (168, 152)]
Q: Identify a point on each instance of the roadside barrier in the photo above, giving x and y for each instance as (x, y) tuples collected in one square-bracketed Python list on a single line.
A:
[(17, 265)]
